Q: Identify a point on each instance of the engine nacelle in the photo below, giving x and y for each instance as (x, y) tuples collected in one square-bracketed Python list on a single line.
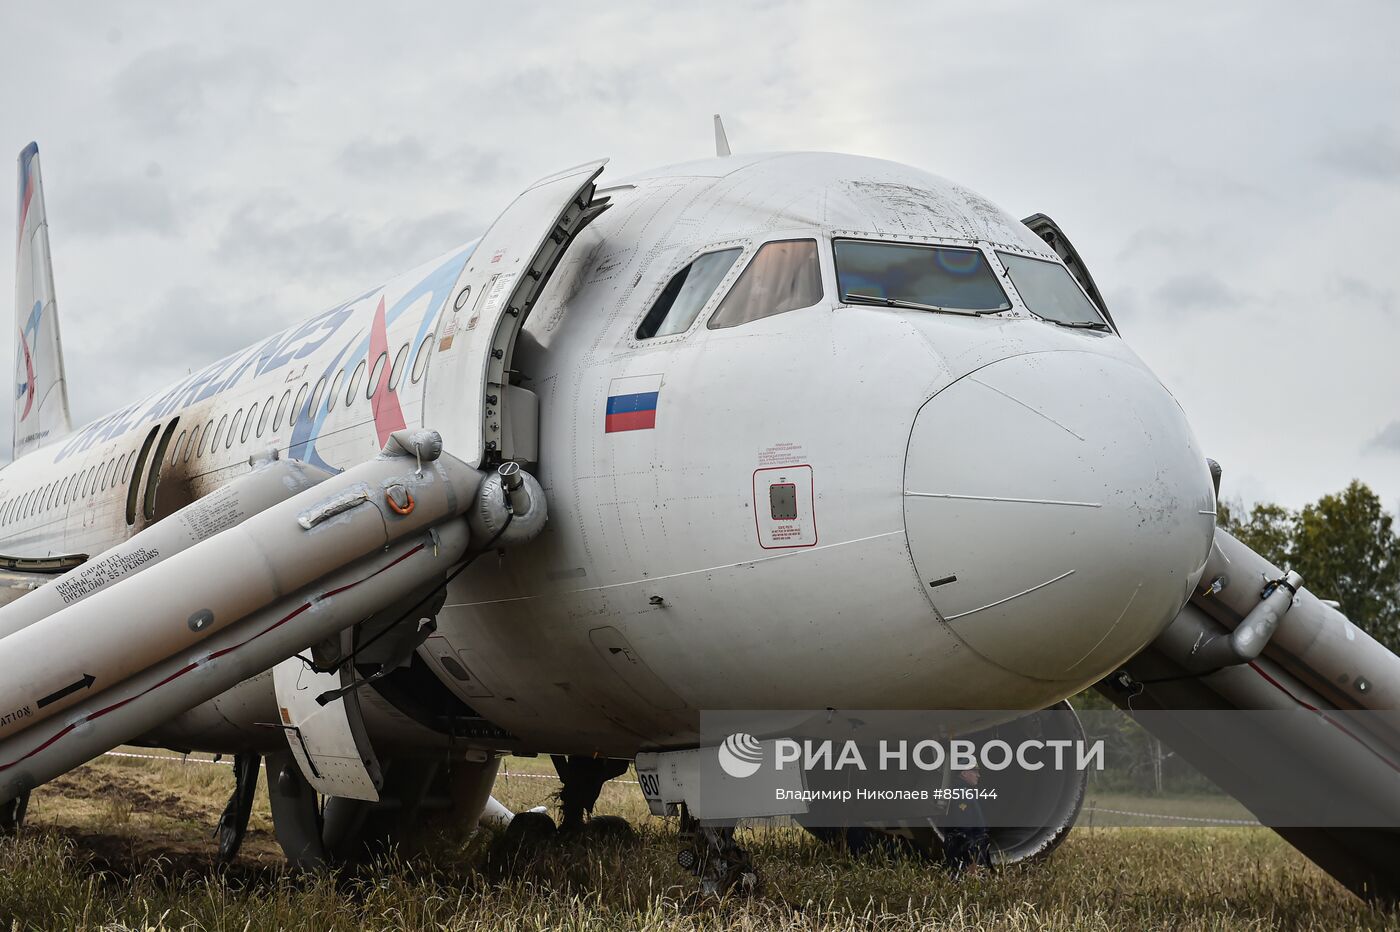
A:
[(1053, 797)]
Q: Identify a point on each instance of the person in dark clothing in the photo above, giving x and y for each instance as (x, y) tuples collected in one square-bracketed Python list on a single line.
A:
[(966, 841)]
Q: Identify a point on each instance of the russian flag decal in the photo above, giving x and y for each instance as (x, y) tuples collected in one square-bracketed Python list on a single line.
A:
[(632, 403)]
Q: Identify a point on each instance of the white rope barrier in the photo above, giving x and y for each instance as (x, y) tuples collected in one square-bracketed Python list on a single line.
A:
[(228, 763), (183, 759), (1176, 818)]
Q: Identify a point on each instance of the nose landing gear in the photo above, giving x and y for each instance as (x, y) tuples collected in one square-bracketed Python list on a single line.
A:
[(711, 854)]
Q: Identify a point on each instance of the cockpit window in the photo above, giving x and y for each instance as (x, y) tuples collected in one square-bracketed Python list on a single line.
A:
[(782, 276), (1050, 292), (939, 278), (685, 294)]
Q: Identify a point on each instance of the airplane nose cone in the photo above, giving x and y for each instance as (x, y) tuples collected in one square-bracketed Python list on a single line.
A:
[(1059, 511)]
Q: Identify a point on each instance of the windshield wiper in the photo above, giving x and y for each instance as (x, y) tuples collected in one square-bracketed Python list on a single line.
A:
[(916, 306), (1085, 325)]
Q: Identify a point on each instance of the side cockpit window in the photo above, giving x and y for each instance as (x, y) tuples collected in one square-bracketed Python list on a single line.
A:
[(782, 276), (685, 295), (1049, 291)]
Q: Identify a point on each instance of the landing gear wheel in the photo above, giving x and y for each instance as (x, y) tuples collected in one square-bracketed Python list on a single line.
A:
[(526, 835), (610, 829), (12, 814), (531, 828), (233, 824), (423, 803)]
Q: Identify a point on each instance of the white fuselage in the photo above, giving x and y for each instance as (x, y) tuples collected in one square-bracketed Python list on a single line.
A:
[(1043, 468)]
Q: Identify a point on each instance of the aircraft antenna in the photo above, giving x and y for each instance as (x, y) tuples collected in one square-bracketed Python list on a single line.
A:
[(721, 139)]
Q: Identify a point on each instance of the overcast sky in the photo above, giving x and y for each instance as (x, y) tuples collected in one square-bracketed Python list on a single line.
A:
[(1231, 173)]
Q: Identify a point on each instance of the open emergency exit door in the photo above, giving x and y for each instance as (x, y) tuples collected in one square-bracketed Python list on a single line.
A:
[(484, 418)]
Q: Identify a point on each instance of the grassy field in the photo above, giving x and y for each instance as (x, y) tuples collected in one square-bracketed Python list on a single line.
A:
[(124, 844)]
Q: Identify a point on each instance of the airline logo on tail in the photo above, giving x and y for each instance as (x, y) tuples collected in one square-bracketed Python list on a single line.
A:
[(30, 331)]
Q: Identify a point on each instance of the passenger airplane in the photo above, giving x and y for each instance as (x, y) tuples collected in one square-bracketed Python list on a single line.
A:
[(811, 431)]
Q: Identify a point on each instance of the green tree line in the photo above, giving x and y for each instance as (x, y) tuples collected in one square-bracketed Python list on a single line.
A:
[(1346, 548), (1344, 545)]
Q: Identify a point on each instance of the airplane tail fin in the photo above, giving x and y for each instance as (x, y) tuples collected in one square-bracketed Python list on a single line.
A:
[(41, 387)]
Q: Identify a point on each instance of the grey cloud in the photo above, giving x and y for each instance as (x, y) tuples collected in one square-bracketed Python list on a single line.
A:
[(1168, 245), (120, 206), (1157, 240), (1359, 292), (379, 158), (1387, 441), (418, 239), (1123, 300), (1198, 291), (183, 329), (1373, 155), (390, 160), (173, 89), (271, 235), (551, 87), (207, 326)]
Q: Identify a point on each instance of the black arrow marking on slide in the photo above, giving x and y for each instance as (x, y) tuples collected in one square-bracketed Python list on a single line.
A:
[(84, 683)]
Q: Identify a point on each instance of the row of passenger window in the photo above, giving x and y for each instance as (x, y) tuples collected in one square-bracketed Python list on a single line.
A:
[(260, 416), (69, 489), (785, 275)]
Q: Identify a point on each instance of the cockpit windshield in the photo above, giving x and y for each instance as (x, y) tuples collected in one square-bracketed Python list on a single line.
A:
[(936, 278), (1050, 292)]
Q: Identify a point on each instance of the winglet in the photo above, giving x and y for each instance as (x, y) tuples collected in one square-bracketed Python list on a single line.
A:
[(721, 140), (41, 388)]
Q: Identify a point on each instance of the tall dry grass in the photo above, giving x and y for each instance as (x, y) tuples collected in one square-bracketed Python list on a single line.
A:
[(1167, 879), (73, 870)]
